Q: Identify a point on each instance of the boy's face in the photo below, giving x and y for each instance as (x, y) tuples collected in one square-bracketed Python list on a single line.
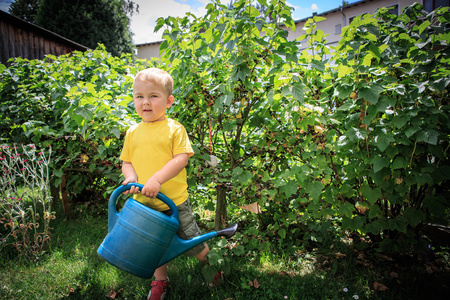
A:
[(151, 101)]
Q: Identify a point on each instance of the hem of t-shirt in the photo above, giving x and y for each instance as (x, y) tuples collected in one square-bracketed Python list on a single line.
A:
[(188, 152)]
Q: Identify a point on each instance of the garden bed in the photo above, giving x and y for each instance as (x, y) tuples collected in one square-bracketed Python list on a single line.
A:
[(72, 269)]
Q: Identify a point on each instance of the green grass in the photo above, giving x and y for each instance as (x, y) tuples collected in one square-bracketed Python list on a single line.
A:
[(72, 270)]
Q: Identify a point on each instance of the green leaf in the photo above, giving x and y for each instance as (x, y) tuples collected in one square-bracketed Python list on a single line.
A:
[(240, 250), (353, 224), (58, 173), (344, 71), (399, 224), (424, 26), (213, 258), (414, 216), (367, 61), (209, 271), (400, 121), (404, 36), (245, 177), (282, 233), (374, 211), (411, 131), (347, 210), (84, 112), (237, 171), (375, 50), (230, 45), (383, 141), (270, 96), (435, 205), (314, 189), (347, 106), (319, 65), (399, 162), (358, 222), (429, 136), (374, 227), (371, 93), (289, 189), (372, 195), (159, 23), (298, 91), (116, 132), (355, 134), (343, 91), (101, 150), (379, 163), (291, 24)]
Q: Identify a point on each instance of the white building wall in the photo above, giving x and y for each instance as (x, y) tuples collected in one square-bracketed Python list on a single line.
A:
[(342, 17), (148, 50)]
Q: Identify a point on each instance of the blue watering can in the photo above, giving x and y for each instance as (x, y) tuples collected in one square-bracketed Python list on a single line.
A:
[(141, 239)]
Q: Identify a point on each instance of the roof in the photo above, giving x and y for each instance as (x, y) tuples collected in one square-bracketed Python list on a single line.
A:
[(335, 10), (149, 44)]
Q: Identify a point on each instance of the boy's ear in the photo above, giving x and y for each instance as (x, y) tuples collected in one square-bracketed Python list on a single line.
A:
[(170, 101)]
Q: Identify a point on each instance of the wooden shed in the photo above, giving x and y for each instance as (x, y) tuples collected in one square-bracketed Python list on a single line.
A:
[(19, 38)]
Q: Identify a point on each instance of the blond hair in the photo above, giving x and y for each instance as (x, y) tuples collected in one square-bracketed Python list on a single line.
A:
[(157, 76)]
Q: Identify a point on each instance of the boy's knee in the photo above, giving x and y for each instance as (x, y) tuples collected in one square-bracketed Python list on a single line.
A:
[(202, 255)]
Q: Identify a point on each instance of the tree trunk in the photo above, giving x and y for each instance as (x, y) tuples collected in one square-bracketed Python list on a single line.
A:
[(64, 196), (221, 208), (54, 192)]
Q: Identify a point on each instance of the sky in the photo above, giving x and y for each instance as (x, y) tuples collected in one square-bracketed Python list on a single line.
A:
[(143, 23)]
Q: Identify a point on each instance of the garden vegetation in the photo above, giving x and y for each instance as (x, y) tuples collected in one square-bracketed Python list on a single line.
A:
[(324, 145)]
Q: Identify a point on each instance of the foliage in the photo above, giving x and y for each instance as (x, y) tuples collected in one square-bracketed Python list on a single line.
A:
[(326, 143), (88, 23), (227, 67), (357, 138), (25, 201), (337, 147), (79, 105), (72, 269), (392, 105), (25, 9)]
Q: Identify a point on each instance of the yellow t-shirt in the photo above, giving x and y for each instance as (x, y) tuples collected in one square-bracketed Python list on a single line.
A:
[(149, 146)]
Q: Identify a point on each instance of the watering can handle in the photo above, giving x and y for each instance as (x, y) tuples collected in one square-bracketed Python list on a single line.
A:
[(115, 195)]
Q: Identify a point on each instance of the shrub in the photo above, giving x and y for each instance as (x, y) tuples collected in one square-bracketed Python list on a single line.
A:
[(25, 201)]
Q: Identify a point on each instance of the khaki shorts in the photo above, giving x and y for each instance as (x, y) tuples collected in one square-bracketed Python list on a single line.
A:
[(188, 227)]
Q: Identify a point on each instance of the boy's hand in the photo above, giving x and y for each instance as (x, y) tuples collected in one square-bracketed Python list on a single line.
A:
[(133, 189), (151, 188)]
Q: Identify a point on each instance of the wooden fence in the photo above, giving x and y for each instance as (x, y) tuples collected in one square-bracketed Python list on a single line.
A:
[(19, 38)]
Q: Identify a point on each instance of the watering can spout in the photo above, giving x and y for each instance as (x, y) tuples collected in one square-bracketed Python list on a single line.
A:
[(178, 246)]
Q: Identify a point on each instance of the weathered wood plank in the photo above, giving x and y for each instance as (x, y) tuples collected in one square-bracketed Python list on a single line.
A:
[(19, 38)]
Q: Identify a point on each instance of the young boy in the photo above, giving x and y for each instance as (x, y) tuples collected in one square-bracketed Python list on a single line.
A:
[(155, 154)]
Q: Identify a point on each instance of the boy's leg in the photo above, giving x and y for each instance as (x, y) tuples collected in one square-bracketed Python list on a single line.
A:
[(202, 255), (189, 229), (161, 273), (160, 285)]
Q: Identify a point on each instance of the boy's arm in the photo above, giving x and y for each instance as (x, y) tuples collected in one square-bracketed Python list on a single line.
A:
[(170, 170), (130, 176)]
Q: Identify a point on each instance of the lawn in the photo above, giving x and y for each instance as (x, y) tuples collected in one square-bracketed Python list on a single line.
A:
[(71, 269)]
